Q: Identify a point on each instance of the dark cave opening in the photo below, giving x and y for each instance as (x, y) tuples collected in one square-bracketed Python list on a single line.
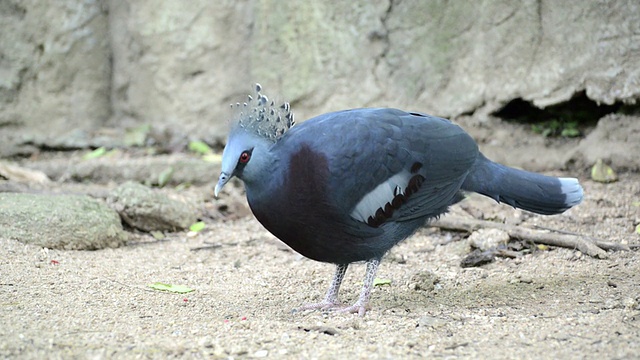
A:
[(564, 119)]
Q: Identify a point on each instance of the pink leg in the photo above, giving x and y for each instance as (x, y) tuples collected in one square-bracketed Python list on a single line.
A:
[(360, 306), (331, 299)]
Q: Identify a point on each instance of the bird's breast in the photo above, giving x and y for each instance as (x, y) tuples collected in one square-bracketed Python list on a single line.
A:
[(297, 209)]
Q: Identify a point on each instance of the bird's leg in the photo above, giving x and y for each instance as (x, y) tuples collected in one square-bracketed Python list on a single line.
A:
[(331, 299), (360, 306)]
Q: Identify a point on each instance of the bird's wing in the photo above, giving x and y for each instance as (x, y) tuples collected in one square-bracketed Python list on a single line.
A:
[(378, 155)]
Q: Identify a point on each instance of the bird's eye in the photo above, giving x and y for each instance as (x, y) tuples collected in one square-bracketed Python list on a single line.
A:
[(244, 157)]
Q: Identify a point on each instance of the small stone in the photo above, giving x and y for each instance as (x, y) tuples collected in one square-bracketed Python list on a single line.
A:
[(525, 279), (206, 342), (603, 173), (430, 321), (478, 258), (261, 353), (610, 304), (630, 303), (486, 239)]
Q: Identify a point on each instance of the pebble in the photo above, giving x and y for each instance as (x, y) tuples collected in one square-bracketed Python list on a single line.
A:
[(206, 342), (630, 303), (487, 239), (261, 353), (430, 321)]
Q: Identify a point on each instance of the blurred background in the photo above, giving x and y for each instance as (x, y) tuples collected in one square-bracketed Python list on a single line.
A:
[(540, 84)]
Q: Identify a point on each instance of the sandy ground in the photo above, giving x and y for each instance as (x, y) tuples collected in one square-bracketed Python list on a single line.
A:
[(545, 304)]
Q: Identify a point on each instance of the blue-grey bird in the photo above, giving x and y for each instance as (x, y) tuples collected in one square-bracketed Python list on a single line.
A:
[(347, 186)]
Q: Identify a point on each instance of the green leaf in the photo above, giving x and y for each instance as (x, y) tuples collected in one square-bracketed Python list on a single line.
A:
[(200, 147), (180, 289), (95, 153), (196, 227), (570, 132), (165, 176), (212, 158), (380, 282), (158, 235)]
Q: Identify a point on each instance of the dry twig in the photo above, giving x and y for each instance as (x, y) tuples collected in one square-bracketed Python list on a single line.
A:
[(590, 246)]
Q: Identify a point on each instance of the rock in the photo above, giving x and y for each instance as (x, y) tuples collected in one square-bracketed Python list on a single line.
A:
[(380, 47), (614, 141), (147, 209), (486, 239), (86, 64), (478, 258), (70, 222), (56, 70), (603, 173), (630, 303), (120, 168)]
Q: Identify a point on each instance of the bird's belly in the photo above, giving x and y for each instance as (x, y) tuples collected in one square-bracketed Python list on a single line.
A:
[(322, 239)]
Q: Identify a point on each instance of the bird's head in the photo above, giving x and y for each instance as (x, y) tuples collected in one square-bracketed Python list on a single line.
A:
[(258, 124)]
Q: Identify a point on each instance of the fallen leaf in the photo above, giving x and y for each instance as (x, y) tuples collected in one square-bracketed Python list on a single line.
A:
[(95, 153), (195, 227), (180, 289), (212, 158), (158, 235), (200, 147), (380, 282)]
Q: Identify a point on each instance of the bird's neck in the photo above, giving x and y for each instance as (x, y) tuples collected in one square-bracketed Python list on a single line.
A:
[(264, 175)]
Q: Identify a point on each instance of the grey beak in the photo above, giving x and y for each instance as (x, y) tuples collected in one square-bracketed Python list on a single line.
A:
[(222, 180)]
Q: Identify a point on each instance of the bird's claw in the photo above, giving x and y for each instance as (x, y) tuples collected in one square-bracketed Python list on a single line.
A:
[(358, 308)]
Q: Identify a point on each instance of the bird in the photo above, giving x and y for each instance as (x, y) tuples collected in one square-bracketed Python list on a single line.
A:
[(345, 187)]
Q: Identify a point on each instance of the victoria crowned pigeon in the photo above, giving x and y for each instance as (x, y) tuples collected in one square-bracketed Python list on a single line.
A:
[(349, 185)]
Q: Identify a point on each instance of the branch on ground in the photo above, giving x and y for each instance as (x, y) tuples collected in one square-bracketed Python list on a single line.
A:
[(593, 247)]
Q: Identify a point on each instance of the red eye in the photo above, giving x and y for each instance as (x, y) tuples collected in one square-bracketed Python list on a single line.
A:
[(244, 157)]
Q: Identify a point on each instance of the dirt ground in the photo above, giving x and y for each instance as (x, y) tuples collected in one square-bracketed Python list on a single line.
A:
[(554, 303)]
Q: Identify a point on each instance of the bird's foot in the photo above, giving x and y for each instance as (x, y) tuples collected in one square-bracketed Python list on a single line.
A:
[(330, 301), (324, 305), (357, 308)]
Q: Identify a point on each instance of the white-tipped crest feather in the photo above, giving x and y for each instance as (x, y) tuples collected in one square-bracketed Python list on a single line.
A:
[(262, 117)]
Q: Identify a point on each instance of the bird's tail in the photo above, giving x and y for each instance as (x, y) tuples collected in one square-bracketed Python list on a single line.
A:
[(522, 189)]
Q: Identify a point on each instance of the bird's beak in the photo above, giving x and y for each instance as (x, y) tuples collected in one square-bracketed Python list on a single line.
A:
[(222, 180)]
